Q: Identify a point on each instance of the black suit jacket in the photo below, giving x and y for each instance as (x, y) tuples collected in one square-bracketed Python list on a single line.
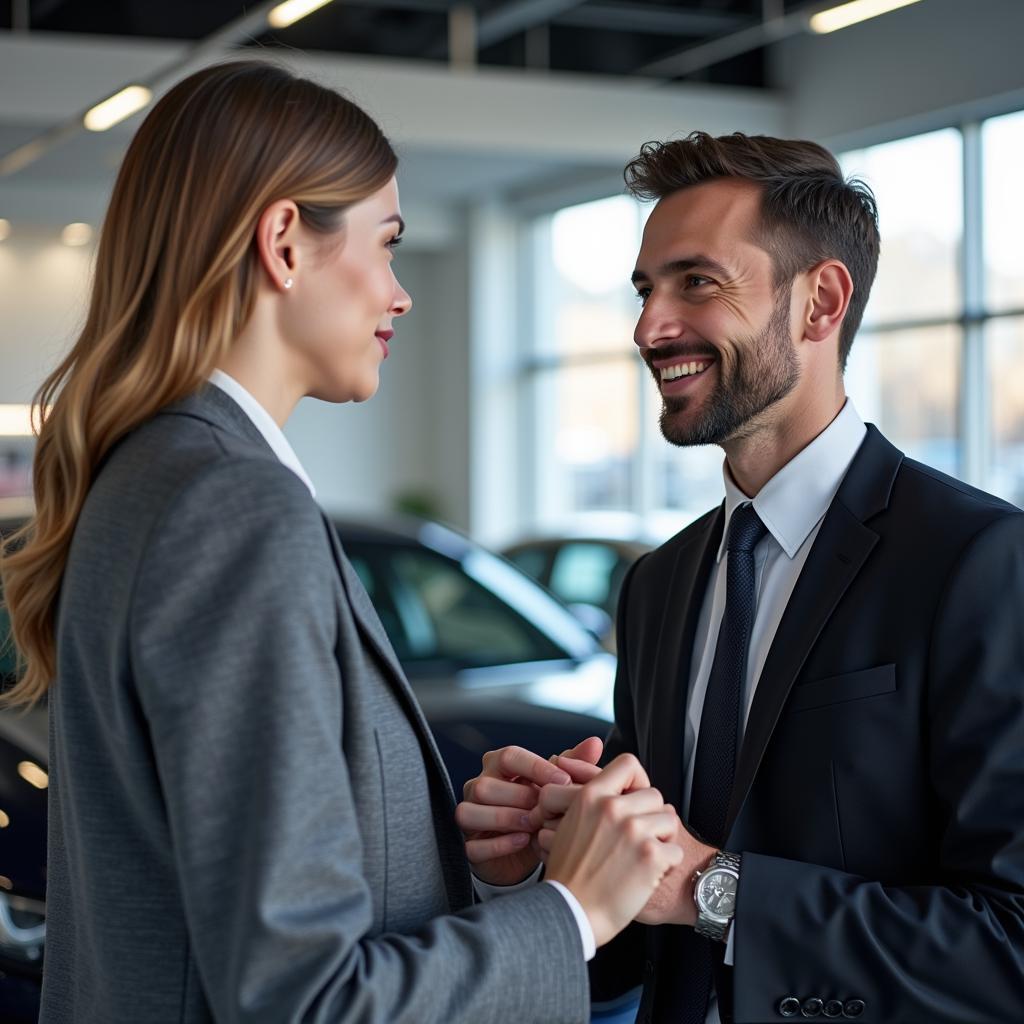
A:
[(879, 794)]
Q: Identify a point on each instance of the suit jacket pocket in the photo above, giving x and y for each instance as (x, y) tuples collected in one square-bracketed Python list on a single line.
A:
[(870, 682)]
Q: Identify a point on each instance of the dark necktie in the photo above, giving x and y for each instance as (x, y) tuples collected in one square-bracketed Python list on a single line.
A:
[(715, 759)]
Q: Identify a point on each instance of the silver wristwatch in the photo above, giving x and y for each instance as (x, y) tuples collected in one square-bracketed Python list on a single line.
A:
[(714, 892)]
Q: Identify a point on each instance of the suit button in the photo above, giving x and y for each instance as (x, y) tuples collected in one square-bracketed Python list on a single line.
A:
[(833, 1008), (812, 1007), (853, 1007), (789, 1007)]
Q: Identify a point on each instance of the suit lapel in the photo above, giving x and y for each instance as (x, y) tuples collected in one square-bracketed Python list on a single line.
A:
[(840, 550), (449, 838), (682, 606), (369, 626)]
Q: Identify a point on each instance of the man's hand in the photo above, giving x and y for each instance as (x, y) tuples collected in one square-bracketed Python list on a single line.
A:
[(613, 846), (494, 814), (672, 902)]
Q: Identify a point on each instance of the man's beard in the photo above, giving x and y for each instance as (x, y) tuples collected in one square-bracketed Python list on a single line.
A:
[(766, 370)]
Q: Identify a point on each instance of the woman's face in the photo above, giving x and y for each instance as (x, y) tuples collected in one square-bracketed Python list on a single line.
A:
[(344, 300)]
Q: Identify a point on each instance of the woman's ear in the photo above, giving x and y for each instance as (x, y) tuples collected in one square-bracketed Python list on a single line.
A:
[(276, 241), (830, 289)]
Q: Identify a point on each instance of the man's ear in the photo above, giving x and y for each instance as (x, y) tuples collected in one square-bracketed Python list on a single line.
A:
[(276, 241), (829, 290)]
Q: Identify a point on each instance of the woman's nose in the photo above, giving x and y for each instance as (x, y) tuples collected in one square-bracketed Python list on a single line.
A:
[(402, 302)]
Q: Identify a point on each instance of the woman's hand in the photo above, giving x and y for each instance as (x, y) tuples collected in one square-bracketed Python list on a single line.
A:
[(613, 847)]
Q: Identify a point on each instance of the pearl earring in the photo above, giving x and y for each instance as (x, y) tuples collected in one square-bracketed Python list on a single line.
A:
[(288, 282)]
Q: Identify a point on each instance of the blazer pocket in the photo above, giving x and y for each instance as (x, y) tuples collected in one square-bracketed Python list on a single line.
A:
[(870, 682)]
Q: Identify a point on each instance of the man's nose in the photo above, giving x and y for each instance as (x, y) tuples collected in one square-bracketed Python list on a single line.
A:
[(658, 323)]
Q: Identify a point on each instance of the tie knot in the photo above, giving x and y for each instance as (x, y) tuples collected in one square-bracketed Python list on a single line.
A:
[(745, 529)]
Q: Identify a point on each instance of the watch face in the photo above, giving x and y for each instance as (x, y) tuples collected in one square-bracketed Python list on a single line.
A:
[(716, 893)]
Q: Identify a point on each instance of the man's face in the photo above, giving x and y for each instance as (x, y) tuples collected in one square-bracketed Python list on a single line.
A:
[(714, 330)]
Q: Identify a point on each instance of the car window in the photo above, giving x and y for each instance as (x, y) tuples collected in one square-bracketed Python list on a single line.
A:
[(582, 572), (533, 561), (434, 612)]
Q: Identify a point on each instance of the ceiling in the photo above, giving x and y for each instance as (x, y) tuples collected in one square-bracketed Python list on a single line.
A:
[(609, 37)]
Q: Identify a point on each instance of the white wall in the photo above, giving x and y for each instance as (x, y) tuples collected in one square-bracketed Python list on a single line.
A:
[(43, 288)]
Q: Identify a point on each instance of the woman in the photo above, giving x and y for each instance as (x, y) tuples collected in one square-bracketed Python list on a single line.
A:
[(249, 818)]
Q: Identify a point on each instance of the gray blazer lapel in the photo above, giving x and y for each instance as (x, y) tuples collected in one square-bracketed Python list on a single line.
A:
[(842, 546), (369, 625), (449, 837)]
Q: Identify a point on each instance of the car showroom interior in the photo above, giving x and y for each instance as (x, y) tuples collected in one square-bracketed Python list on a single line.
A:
[(494, 494)]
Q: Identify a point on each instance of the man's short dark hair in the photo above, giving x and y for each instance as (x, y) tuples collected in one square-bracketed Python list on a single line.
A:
[(809, 211)]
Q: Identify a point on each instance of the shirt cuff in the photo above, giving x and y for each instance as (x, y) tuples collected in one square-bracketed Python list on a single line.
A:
[(487, 891), (582, 921), (730, 944)]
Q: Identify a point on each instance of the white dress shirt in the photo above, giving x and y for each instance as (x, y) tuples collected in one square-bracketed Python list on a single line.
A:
[(792, 505), (274, 436)]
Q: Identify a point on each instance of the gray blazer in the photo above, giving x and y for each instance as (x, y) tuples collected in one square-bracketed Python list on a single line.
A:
[(249, 819)]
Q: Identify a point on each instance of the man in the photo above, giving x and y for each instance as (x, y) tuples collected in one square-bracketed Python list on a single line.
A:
[(825, 675)]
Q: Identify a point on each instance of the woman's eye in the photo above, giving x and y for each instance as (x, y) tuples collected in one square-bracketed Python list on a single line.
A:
[(395, 242)]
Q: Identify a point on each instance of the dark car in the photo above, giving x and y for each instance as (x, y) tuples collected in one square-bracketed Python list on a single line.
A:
[(586, 572), (494, 659)]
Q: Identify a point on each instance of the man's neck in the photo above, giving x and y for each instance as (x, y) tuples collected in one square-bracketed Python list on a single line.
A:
[(757, 455)]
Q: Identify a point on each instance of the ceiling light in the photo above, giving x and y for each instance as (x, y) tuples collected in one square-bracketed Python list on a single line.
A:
[(121, 105), (291, 11), (835, 18), (5, 229), (76, 234)]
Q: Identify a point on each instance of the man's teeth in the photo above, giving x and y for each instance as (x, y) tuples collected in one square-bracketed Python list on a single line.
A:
[(682, 370)]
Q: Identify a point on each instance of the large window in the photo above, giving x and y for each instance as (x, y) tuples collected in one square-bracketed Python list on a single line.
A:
[(597, 458), (906, 364), (938, 363)]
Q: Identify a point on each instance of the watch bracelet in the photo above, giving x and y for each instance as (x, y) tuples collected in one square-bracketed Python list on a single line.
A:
[(717, 930)]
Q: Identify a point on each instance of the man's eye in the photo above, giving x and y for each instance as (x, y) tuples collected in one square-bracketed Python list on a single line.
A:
[(698, 281), (642, 295)]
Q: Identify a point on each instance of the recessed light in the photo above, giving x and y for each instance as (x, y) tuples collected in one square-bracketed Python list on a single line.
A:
[(76, 234)]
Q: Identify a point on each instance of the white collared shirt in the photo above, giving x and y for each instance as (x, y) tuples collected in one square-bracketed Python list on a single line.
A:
[(264, 423), (792, 505)]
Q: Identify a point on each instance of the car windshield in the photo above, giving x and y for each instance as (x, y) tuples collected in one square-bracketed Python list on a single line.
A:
[(438, 610)]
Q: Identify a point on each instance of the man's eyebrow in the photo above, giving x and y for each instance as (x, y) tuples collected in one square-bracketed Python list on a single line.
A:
[(681, 266), (395, 219)]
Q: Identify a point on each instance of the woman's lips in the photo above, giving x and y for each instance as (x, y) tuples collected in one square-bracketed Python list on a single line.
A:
[(384, 337)]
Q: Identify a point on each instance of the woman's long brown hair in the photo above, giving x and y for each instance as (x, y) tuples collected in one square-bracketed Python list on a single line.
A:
[(174, 283)]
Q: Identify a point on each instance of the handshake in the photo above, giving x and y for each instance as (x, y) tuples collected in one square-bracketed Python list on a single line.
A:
[(605, 834)]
